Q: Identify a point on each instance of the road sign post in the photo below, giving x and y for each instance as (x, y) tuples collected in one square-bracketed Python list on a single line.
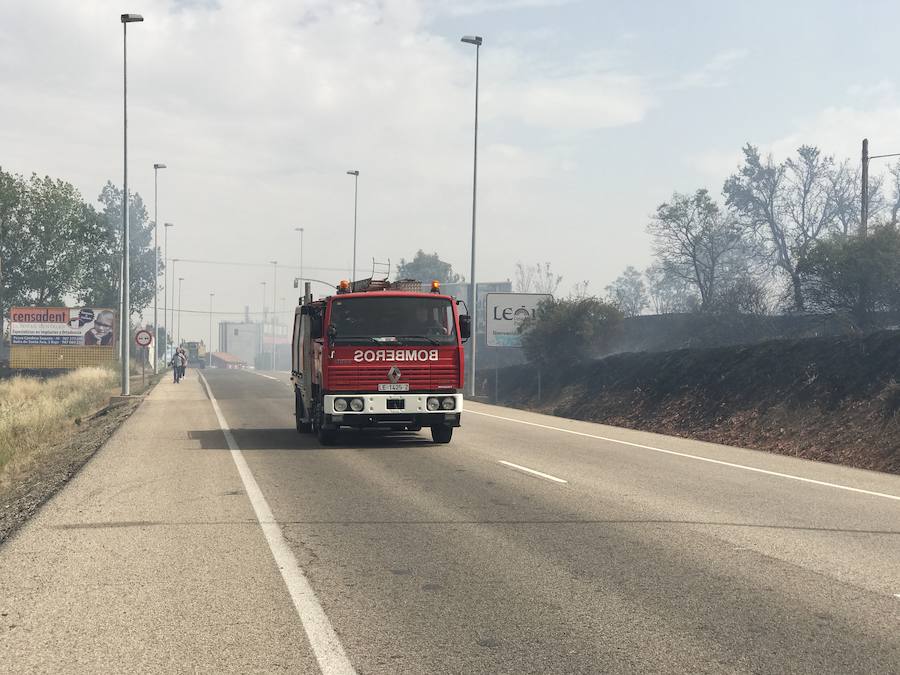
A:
[(143, 339)]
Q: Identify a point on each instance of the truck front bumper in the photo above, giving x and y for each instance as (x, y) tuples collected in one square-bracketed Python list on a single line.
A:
[(395, 410)]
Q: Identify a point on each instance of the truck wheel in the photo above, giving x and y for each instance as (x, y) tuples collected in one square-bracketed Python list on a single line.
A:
[(441, 433)]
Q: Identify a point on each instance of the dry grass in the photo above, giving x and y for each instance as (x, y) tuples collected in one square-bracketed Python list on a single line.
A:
[(36, 414)]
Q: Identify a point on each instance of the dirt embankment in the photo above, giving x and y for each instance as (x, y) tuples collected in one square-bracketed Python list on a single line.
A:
[(49, 428), (835, 399)]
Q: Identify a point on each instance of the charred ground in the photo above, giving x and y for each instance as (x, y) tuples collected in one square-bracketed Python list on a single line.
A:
[(834, 399)]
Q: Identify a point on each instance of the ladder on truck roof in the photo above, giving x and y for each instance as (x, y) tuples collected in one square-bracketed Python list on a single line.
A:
[(378, 281)]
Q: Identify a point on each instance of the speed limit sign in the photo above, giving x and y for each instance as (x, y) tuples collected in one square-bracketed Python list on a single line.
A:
[(143, 338)]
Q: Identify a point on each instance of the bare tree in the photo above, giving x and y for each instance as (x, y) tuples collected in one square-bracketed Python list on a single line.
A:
[(692, 238), (895, 197), (580, 290), (669, 293), (628, 292), (537, 278), (795, 203)]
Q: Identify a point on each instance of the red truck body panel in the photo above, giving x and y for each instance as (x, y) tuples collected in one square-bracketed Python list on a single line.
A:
[(361, 368)]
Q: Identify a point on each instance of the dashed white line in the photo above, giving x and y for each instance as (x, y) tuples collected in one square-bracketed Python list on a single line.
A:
[(326, 646), (540, 474), (754, 469)]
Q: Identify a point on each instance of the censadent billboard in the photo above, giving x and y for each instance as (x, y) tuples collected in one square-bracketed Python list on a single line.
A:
[(62, 326), (506, 312)]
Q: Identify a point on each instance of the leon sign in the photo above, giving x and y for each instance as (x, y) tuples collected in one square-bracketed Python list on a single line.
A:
[(505, 313)]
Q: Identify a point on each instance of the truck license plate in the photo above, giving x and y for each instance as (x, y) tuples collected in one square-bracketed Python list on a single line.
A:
[(400, 386)]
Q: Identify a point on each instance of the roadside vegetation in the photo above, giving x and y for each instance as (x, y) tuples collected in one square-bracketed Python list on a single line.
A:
[(36, 414)]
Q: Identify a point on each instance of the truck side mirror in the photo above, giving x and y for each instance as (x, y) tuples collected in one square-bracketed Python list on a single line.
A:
[(332, 331), (465, 327)]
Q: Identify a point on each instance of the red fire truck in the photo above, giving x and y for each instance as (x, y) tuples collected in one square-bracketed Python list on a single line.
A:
[(379, 354)]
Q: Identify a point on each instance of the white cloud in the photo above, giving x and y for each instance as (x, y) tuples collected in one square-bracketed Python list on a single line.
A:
[(837, 130), (714, 73), (259, 108), (474, 7)]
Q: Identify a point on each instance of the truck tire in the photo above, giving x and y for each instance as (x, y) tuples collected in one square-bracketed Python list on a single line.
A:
[(299, 413), (325, 436), (441, 433)]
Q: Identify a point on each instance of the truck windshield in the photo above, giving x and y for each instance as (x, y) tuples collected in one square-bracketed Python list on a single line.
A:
[(393, 320)]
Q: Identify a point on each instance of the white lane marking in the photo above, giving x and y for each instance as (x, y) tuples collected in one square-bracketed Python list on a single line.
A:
[(269, 377), (328, 649), (754, 469), (532, 471)]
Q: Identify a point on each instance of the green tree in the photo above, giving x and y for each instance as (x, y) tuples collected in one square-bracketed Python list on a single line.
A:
[(101, 279), (566, 331), (855, 276), (426, 267), (45, 242)]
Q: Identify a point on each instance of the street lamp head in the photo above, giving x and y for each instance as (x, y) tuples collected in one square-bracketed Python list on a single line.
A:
[(131, 18), (168, 224), (353, 173), (472, 40), (159, 166), (180, 278), (298, 229)]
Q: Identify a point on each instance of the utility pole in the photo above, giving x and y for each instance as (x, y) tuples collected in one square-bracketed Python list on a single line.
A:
[(355, 174), (156, 168), (864, 208), (864, 205), (209, 347), (180, 279), (274, 306), (477, 41), (125, 335)]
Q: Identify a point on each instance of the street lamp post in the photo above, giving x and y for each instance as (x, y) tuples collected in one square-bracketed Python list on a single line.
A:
[(209, 348), (180, 279), (262, 323), (125, 336), (474, 40), (156, 168), (300, 268), (274, 306), (175, 331), (864, 206), (166, 227), (355, 175)]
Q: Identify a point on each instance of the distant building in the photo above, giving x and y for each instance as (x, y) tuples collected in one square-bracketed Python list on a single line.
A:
[(241, 339)]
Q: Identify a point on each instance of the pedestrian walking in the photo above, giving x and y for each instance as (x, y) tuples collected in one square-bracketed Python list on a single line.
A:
[(184, 361), (176, 366)]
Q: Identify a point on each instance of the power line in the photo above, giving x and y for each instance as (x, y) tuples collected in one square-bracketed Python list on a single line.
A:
[(251, 264)]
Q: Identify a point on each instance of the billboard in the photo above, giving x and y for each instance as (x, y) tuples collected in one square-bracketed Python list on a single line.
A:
[(504, 314), (62, 326)]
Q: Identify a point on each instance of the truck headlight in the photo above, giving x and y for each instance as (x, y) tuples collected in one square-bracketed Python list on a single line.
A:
[(340, 404), (357, 404), (433, 403), (448, 403)]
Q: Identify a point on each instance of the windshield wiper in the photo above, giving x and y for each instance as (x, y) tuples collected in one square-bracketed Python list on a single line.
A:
[(368, 338), (419, 337)]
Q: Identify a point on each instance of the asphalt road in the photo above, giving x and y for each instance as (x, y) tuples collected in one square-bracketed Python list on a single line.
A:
[(528, 544)]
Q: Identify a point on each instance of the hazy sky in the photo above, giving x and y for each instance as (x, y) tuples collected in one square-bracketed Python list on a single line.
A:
[(591, 114)]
